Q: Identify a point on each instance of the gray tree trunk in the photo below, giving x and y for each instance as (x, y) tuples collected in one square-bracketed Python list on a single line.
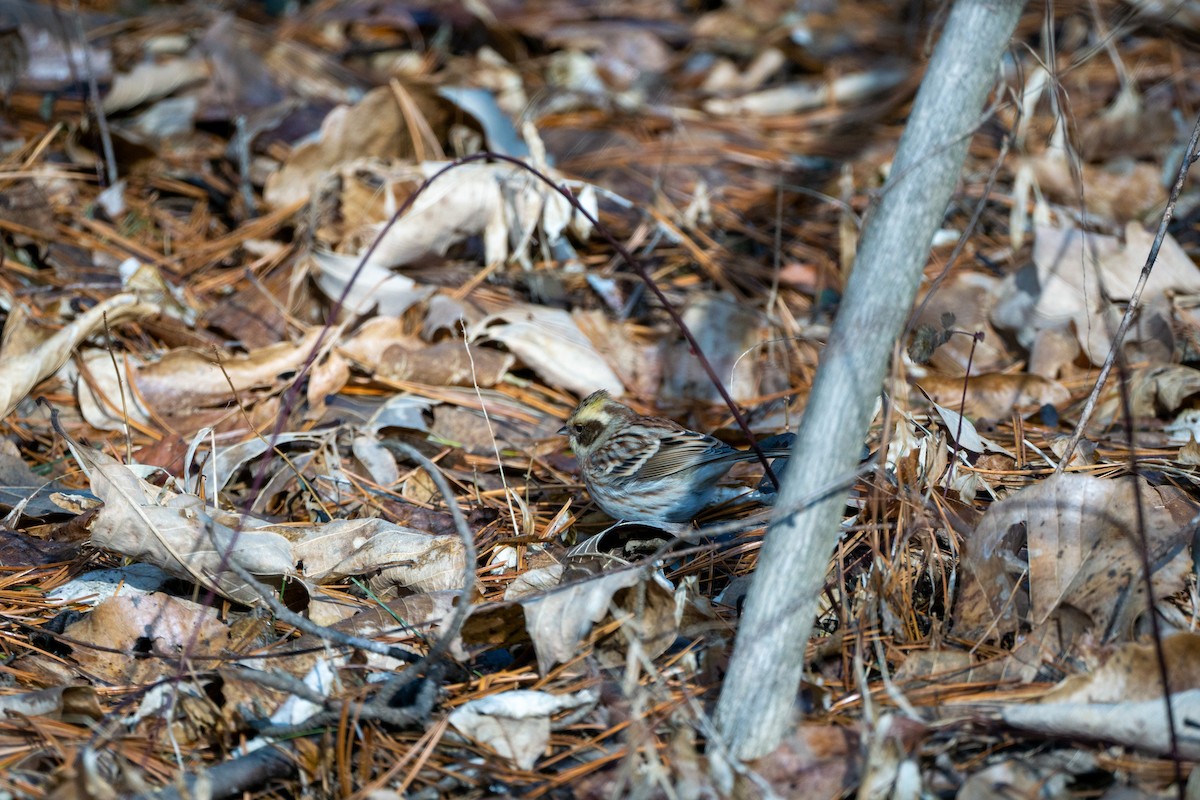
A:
[(755, 709)]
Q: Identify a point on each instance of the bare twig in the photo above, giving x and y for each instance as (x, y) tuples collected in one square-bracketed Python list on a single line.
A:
[(323, 632)]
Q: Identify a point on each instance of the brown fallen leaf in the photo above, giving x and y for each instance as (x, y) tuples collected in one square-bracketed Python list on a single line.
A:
[(375, 126), (814, 761), (560, 620), (1076, 538), (549, 341), (1120, 191), (176, 532), (122, 626), (969, 297), (995, 395), (407, 557), (446, 363), (1130, 673), (185, 381), (1154, 391), (381, 345), (29, 354)]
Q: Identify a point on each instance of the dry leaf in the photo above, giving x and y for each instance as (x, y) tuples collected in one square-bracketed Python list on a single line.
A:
[(215, 471), (1153, 392), (175, 532), (156, 623), (560, 620), (1141, 725), (29, 355), (373, 127), (1073, 265), (814, 761), (726, 331), (152, 80), (407, 557), (549, 342), (1121, 190), (185, 380), (52, 703), (381, 346), (502, 203), (969, 297), (815, 93), (516, 724), (533, 581), (1130, 673), (1013, 779), (995, 395), (1081, 539), (372, 286)]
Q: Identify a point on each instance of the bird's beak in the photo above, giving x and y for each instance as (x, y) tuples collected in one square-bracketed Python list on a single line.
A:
[(562, 431)]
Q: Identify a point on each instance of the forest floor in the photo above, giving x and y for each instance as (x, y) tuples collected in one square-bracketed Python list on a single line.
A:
[(271, 322)]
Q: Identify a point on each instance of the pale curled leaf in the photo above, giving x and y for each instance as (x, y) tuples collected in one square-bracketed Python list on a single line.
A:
[(503, 204), (379, 461), (152, 80), (961, 430), (1073, 265), (550, 343), (185, 380), (28, 355), (373, 287), (1153, 391), (516, 723), (467, 201), (1142, 725), (215, 471), (175, 532), (189, 378), (810, 94), (106, 400), (48, 703), (558, 621), (97, 586), (407, 557), (532, 581)]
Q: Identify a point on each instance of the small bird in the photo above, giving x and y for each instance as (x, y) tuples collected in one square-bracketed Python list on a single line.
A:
[(647, 469)]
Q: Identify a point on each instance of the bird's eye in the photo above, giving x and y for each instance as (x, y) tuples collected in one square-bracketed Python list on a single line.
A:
[(577, 427)]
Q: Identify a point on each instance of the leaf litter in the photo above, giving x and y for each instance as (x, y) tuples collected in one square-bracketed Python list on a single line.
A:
[(214, 358)]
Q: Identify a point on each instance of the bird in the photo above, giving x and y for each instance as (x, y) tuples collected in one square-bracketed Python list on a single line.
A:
[(648, 469)]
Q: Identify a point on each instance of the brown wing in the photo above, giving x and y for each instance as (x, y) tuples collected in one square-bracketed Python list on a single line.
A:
[(667, 448), (625, 452), (682, 450)]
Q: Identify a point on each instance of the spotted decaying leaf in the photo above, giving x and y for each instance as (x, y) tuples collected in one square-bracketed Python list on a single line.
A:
[(1080, 534)]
